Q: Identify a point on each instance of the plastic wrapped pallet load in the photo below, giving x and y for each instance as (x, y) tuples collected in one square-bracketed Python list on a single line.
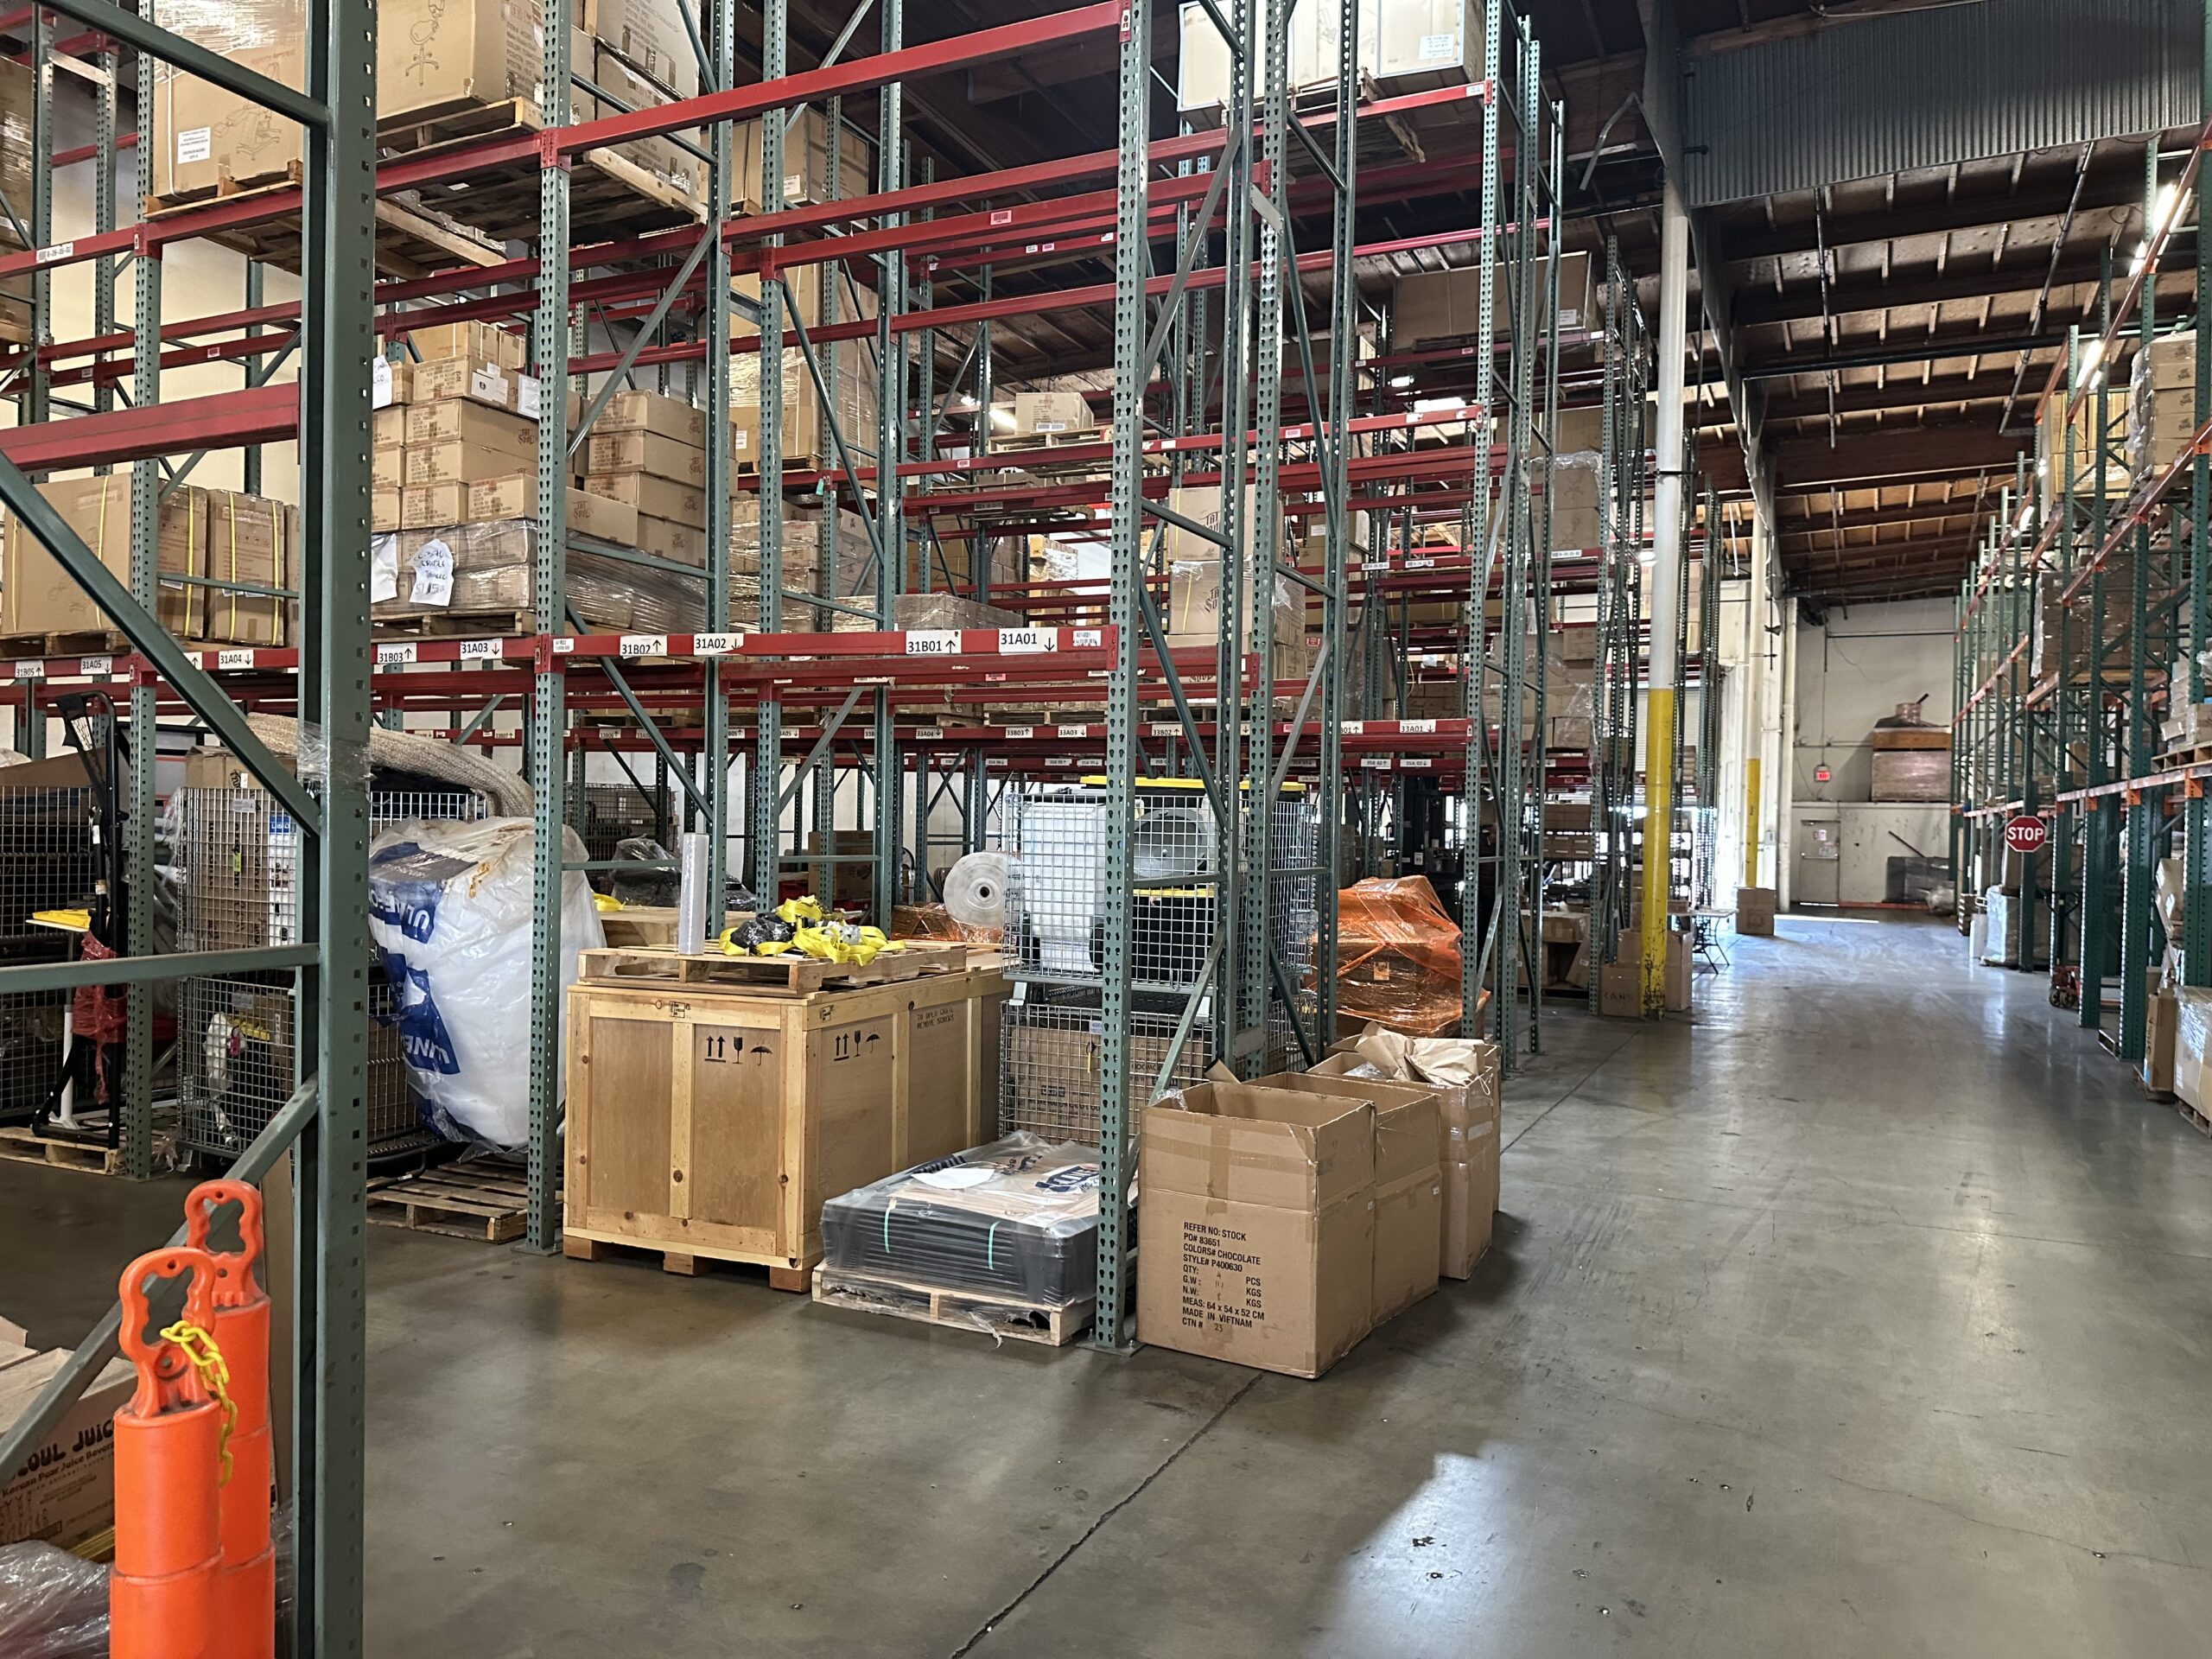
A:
[(1017, 1218), (449, 914), (2192, 1039)]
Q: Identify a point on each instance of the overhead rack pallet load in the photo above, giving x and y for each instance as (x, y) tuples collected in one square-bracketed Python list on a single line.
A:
[(2077, 755)]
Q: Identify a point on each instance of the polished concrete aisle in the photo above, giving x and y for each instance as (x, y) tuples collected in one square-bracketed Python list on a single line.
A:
[(1873, 1317)]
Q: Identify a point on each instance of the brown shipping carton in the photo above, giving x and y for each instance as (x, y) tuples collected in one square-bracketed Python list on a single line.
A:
[(476, 342), (650, 35), (388, 429), (207, 139), (456, 462), (658, 498), (64, 1490), (1256, 1214), (515, 496), (388, 467), (472, 424), (1408, 1186), (1036, 413), (479, 379), (649, 411), (38, 596), (430, 507), (1755, 911), (806, 166), (384, 507), (250, 539), (663, 539), (628, 88), (646, 452), (439, 55), (1424, 43)]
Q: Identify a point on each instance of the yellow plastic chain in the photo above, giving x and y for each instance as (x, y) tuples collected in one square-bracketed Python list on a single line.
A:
[(214, 1375)]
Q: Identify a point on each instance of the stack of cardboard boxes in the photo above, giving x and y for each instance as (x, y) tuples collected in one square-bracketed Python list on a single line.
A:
[(825, 550), (648, 452), (214, 535), (64, 1492), (849, 369), (1281, 1220), (435, 59), (808, 165), (2162, 404), (2095, 468), (1194, 584)]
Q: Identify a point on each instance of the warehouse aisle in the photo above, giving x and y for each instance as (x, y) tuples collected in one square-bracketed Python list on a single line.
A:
[(1875, 1321)]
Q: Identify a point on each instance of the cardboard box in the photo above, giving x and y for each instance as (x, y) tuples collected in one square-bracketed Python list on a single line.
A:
[(1408, 1182), (458, 418), (1256, 1214), (479, 379), (1755, 911), (515, 496), (388, 428), (1437, 305), (38, 596), (629, 88), (477, 342), (432, 506), (1424, 43), (806, 165), (2192, 1040), (384, 507), (1463, 1073), (650, 35), (2161, 1016), (387, 468), (1041, 413), (1316, 52), (437, 56), (682, 544), (659, 498), (646, 452), (389, 384), (206, 139), (649, 411), (457, 461), (65, 1492)]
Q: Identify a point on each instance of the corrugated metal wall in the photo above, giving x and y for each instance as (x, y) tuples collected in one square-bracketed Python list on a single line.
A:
[(1925, 89)]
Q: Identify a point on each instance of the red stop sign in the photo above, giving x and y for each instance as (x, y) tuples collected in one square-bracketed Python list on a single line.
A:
[(2026, 833)]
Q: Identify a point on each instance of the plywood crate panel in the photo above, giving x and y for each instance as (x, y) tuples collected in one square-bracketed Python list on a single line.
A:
[(706, 1122)]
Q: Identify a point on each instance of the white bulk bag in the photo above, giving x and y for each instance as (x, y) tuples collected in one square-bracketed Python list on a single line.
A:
[(449, 914)]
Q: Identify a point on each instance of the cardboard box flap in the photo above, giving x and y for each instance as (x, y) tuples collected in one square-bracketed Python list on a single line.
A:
[(1231, 1140), (1406, 1119)]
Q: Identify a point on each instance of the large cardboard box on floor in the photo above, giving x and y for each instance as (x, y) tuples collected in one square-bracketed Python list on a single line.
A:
[(1256, 1225), (1409, 1182), (1755, 911), (2192, 1042), (64, 1492), (2162, 1015), (1463, 1074)]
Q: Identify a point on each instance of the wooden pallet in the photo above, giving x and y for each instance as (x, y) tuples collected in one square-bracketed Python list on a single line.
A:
[(2195, 1119), (789, 973), (2174, 759), (456, 625), (288, 177), (486, 1202), (1008, 1317), (749, 466), (691, 1264), (72, 642), (607, 192), (638, 927), (22, 1147), (1030, 444)]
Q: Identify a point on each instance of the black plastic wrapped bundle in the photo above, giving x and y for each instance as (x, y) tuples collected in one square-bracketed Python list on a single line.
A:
[(1017, 1218)]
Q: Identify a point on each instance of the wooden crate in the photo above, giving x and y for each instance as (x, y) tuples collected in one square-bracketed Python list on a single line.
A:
[(789, 972), (713, 1119)]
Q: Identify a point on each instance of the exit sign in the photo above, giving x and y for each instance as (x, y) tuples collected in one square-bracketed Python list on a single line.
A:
[(1821, 774)]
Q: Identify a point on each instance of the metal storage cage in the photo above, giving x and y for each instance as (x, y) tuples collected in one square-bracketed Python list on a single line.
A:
[(236, 1064), (48, 862), (1055, 935)]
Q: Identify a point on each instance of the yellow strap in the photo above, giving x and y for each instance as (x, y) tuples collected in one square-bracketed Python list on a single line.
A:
[(214, 1375)]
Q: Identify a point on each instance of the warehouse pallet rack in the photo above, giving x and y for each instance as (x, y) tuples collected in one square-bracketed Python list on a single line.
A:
[(678, 286), (2080, 639), (328, 412)]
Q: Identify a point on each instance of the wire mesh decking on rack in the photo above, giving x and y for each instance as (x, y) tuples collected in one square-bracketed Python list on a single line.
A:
[(238, 855), (1055, 933)]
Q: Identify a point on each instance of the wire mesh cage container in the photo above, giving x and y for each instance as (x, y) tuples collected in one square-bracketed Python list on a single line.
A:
[(610, 814), (238, 856), (48, 861), (1055, 935)]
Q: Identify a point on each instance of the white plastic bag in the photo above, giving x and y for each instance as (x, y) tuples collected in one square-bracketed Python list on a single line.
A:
[(449, 914)]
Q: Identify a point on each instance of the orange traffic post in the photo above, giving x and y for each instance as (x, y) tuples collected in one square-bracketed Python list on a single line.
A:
[(246, 1586), (168, 1457)]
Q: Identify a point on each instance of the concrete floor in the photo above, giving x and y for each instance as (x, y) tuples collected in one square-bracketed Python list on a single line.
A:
[(1873, 1317)]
